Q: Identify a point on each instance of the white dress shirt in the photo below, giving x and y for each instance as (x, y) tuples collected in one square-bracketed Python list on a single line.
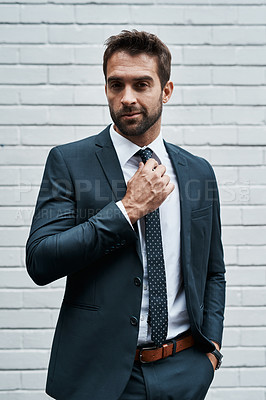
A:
[(178, 320)]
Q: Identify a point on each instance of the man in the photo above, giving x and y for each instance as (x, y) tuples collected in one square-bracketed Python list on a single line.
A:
[(133, 223)]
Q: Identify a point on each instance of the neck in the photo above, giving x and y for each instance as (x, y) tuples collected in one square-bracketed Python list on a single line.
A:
[(146, 138)]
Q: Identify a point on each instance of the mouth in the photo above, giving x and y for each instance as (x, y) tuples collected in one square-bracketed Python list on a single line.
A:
[(131, 115)]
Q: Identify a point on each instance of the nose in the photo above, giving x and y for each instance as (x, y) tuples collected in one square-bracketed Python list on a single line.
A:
[(128, 96)]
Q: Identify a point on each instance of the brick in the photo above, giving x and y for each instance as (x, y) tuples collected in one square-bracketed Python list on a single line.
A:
[(233, 297), (156, 15), (9, 258), (251, 55), (225, 174), (30, 359), (90, 95), (9, 14), (23, 395), (187, 115), (191, 75), (221, 15), (231, 337), (82, 132), (209, 95), (255, 336), (48, 298), (238, 115), (78, 115), (238, 35), (18, 278), (230, 255), (200, 151), (13, 236), (25, 319), (209, 55), (252, 136), (23, 156), (76, 34), (37, 338), (88, 54), (254, 175), (253, 377), (47, 95), (8, 55), (184, 35), (246, 276), (244, 235), (231, 215), (47, 13), (252, 15), (77, 75), (9, 176), (25, 195), (9, 136), (243, 357), (226, 377), (210, 135), (254, 215), (32, 175), (22, 75), (237, 393), (254, 296), (238, 76), (9, 96), (249, 316), (47, 55), (10, 299), (9, 380), (23, 34), (177, 54), (251, 96), (93, 14), (252, 255), (33, 380), (10, 340), (229, 156), (44, 136)]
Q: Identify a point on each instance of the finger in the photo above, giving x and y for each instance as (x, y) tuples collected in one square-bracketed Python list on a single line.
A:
[(166, 179), (169, 188), (160, 170), (151, 164)]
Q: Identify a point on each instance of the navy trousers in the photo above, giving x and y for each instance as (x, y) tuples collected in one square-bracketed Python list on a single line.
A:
[(185, 376)]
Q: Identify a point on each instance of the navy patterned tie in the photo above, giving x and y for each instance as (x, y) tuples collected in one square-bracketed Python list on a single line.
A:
[(158, 314)]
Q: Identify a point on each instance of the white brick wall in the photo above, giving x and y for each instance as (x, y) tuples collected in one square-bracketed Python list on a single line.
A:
[(51, 92)]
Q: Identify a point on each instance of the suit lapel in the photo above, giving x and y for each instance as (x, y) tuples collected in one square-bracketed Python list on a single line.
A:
[(109, 162), (182, 172)]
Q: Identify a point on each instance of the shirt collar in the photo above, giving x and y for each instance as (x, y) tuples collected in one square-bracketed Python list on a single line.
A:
[(125, 149)]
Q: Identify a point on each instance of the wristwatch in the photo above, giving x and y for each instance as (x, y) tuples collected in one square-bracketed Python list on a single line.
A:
[(219, 358)]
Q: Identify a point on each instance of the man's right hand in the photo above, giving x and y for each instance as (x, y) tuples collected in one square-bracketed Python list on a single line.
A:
[(146, 190)]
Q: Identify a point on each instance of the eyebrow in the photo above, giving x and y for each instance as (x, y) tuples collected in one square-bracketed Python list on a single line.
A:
[(139, 78)]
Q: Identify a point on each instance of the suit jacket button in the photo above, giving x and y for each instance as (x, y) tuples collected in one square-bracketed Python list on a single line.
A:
[(134, 321), (137, 281)]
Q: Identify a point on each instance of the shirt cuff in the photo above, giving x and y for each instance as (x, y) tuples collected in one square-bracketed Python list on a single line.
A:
[(120, 205)]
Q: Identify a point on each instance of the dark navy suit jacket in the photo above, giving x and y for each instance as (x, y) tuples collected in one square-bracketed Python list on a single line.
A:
[(78, 231)]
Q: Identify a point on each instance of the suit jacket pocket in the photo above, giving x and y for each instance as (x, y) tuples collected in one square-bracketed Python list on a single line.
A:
[(201, 212)]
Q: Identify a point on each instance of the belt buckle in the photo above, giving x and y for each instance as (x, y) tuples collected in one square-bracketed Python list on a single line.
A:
[(140, 354)]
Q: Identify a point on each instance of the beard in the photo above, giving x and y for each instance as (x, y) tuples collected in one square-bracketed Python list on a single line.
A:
[(139, 125)]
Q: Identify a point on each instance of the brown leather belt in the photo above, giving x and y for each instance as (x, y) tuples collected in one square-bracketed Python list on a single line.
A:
[(149, 354)]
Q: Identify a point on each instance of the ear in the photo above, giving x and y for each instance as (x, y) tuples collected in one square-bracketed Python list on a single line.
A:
[(167, 91)]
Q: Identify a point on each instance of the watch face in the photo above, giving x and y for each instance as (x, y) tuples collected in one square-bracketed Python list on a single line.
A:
[(219, 357)]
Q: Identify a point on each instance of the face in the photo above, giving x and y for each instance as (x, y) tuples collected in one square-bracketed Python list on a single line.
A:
[(134, 94)]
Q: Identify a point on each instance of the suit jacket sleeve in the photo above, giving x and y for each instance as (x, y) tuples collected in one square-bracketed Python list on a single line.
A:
[(214, 298), (57, 246)]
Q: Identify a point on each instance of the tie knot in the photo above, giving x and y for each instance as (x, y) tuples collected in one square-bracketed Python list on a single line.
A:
[(145, 154)]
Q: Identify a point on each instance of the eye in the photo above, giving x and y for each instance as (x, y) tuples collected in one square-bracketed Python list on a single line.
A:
[(115, 85), (141, 85)]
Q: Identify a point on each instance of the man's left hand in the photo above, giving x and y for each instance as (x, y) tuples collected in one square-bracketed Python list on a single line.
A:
[(212, 358)]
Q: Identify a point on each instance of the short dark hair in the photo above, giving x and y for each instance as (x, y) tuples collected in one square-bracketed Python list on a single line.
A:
[(135, 42)]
